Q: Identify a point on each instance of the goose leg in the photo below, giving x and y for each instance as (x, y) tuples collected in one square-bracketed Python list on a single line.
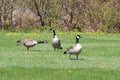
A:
[(70, 57), (77, 57), (27, 48), (54, 49)]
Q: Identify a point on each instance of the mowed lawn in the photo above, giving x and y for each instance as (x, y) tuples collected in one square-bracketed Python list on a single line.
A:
[(99, 59)]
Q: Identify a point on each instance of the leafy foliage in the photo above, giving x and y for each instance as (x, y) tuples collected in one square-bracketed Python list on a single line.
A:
[(83, 15)]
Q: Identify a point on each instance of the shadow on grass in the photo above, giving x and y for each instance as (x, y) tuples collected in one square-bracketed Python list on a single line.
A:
[(77, 59), (35, 50), (31, 50)]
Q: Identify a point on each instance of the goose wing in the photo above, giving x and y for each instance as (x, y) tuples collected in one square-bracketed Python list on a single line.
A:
[(59, 43), (71, 49), (28, 41)]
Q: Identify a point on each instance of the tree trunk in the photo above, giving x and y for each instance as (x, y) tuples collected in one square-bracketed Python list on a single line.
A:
[(1, 17), (39, 14), (11, 14), (1, 26)]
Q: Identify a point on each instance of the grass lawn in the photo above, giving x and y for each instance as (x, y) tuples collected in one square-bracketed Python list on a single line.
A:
[(99, 60)]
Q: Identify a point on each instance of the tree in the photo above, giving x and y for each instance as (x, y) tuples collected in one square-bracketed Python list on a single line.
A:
[(1, 26)]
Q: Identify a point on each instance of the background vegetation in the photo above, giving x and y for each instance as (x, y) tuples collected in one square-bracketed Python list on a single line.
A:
[(81, 15)]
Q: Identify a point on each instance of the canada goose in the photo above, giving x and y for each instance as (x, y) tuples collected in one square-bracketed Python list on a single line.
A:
[(75, 49), (56, 41), (29, 42)]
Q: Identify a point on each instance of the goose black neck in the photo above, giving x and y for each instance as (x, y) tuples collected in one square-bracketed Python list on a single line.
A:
[(77, 40), (54, 33), (40, 42)]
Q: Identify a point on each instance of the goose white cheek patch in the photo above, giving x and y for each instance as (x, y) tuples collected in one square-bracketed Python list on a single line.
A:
[(78, 37)]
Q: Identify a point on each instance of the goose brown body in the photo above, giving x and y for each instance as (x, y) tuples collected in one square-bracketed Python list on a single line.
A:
[(75, 49), (29, 42), (56, 43)]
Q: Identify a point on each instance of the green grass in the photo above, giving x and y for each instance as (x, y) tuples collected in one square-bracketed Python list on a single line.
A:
[(99, 60)]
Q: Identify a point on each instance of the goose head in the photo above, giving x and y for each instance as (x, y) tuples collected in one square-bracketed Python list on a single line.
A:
[(51, 29), (77, 38)]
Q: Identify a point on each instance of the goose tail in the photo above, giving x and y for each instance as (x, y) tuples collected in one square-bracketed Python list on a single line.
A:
[(65, 52), (61, 48)]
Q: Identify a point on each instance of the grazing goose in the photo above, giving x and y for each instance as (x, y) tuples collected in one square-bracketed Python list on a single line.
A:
[(74, 50), (56, 41), (29, 42)]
